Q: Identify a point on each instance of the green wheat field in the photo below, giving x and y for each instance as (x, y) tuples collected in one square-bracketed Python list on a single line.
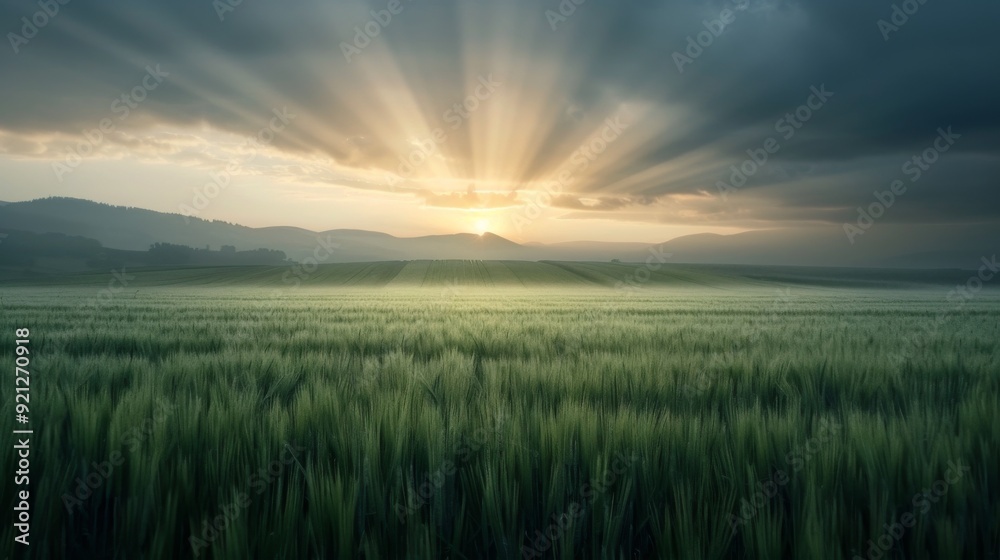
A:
[(508, 410)]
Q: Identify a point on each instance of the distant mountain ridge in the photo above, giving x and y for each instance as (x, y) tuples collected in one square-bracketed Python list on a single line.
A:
[(136, 229)]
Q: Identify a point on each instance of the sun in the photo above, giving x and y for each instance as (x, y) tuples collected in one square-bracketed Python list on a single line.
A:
[(482, 226)]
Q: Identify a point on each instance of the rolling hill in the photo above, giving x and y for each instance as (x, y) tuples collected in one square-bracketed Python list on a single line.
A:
[(135, 229)]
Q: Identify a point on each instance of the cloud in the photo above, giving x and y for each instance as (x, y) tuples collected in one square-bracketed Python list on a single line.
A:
[(601, 204), (359, 119), (471, 199)]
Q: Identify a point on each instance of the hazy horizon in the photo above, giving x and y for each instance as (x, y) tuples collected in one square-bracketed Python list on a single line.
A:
[(473, 231)]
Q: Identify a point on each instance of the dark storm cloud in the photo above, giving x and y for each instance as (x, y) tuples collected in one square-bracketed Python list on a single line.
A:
[(890, 96)]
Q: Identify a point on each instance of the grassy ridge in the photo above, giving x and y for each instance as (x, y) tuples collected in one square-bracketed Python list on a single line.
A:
[(458, 423), (471, 273)]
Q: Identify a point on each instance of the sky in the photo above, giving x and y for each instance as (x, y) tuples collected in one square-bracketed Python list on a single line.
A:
[(538, 120)]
